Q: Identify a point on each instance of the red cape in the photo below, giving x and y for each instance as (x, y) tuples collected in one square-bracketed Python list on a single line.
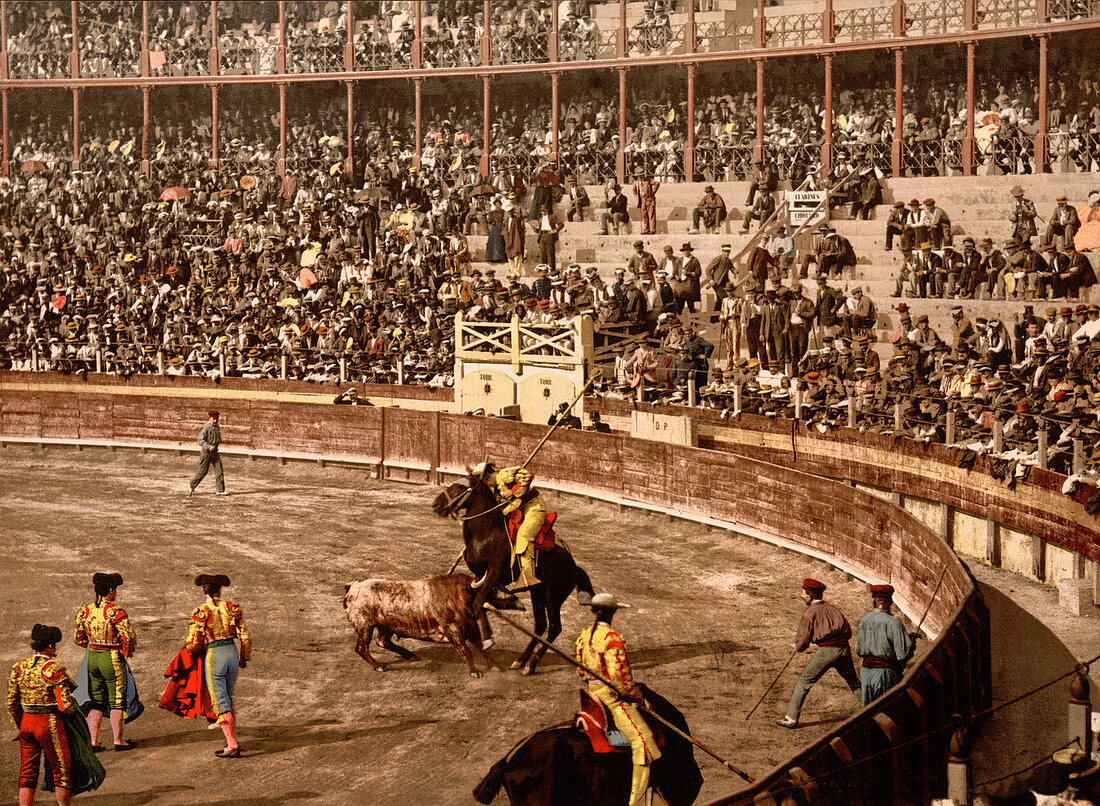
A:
[(186, 693)]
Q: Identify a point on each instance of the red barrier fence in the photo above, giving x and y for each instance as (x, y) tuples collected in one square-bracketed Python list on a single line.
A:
[(891, 752)]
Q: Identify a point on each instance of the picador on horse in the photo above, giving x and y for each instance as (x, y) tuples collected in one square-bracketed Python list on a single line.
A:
[(504, 525), (525, 513)]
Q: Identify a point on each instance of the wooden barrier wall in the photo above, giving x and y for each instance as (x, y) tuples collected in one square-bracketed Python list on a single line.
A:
[(1035, 506), (858, 531)]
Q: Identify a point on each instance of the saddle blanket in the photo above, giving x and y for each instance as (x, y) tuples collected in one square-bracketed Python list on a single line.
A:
[(544, 540), (595, 722)]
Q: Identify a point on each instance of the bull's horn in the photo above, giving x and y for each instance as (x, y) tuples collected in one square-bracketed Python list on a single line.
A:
[(478, 583)]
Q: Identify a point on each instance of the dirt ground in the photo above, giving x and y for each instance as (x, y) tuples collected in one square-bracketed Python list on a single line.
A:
[(713, 620)]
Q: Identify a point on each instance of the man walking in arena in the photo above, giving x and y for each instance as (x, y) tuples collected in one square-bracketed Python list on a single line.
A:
[(209, 456)]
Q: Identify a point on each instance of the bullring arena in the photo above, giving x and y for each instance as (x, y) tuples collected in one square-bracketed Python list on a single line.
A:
[(255, 208)]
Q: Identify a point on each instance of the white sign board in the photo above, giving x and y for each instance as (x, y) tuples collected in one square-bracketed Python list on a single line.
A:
[(801, 204), (663, 428)]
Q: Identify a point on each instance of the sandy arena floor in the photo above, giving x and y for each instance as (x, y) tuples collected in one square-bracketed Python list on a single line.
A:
[(714, 617)]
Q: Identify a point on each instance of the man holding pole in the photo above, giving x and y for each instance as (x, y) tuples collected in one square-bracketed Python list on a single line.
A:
[(600, 647), (824, 625)]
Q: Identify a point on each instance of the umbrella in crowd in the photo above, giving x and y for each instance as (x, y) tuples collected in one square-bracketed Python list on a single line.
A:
[(32, 166), (173, 194)]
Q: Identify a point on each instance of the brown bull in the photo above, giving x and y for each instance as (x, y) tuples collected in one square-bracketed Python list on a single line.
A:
[(437, 609)]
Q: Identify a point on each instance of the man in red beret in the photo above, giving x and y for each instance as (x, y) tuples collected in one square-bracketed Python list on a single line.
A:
[(883, 644), (209, 439), (824, 625)]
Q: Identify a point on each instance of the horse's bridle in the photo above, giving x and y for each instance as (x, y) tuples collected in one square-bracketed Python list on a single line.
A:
[(452, 506)]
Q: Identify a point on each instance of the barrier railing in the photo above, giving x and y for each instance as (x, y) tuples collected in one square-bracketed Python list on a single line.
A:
[(585, 44), (863, 24), (711, 37), (1013, 153), (1006, 13), (1074, 9), (443, 50), (792, 30), (663, 163), (589, 166), (521, 46), (933, 17), (380, 54), (1077, 150), (38, 64), (723, 163), (796, 160), (317, 54), (176, 59), (648, 37)]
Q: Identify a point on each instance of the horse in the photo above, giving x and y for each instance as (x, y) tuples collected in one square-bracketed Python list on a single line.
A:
[(557, 767), (489, 556)]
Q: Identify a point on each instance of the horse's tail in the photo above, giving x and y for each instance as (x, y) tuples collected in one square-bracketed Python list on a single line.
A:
[(486, 791), (584, 587)]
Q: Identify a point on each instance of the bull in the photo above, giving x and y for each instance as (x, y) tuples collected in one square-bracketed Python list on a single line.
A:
[(439, 609)]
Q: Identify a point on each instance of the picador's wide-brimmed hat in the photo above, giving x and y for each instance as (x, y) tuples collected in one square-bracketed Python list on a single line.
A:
[(606, 601)]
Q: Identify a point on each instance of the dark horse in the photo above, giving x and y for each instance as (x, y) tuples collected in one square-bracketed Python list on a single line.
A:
[(557, 767), (489, 557)]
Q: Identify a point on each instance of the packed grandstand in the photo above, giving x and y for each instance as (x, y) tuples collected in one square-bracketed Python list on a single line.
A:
[(269, 228)]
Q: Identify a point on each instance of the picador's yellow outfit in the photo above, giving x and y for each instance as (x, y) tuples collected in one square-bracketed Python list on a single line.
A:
[(602, 649), (514, 486), (104, 629)]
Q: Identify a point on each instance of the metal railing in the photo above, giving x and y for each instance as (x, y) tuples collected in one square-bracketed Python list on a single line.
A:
[(174, 58), (878, 154), (589, 166), (1013, 152), (933, 17), (924, 158), (442, 50), (863, 24), (582, 45), (787, 30), (663, 163), (653, 37), (317, 53), (723, 163), (994, 14), (1077, 150), (1074, 9), (521, 47), (526, 164), (796, 160), (380, 54), (247, 59), (39, 63), (711, 37)]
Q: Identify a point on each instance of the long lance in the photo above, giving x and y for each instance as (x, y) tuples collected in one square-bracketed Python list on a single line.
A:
[(558, 421), (642, 706), (934, 592), (771, 685), (561, 417)]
